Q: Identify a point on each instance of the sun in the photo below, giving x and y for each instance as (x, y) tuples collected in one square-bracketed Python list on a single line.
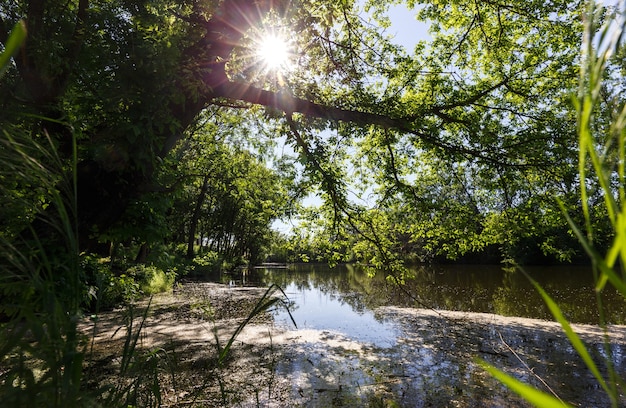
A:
[(273, 51)]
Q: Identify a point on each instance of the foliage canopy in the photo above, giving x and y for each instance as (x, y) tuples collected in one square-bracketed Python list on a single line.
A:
[(457, 146)]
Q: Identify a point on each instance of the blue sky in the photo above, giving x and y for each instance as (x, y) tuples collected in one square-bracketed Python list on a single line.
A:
[(405, 29)]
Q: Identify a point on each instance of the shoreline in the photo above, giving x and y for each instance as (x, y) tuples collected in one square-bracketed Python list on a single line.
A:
[(431, 361)]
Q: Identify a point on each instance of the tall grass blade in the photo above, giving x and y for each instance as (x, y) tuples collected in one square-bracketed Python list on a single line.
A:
[(15, 41), (132, 338), (264, 303), (571, 335), (530, 394), (606, 271)]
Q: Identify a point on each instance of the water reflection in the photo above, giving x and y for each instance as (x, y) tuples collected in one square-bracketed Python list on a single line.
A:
[(471, 288), (346, 314), (416, 357)]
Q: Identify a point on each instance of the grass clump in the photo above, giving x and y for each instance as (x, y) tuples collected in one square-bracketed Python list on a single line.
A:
[(152, 280)]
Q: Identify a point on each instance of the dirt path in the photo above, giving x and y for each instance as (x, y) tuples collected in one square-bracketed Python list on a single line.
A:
[(431, 363)]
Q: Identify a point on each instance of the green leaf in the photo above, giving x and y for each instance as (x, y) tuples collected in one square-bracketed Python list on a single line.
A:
[(530, 394), (16, 38), (571, 335)]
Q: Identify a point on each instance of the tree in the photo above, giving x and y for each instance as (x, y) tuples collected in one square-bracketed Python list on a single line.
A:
[(488, 96), (493, 89), (227, 197)]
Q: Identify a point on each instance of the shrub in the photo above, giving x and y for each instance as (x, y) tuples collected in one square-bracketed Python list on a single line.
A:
[(205, 265), (151, 279)]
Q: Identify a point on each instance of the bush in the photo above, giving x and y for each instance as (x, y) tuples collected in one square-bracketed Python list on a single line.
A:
[(206, 264), (151, 279), (106, 289)]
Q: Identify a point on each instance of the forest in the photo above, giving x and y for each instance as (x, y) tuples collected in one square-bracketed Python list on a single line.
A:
[(143, 142)]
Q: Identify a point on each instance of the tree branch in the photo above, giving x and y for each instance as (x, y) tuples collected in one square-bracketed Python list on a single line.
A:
[(286, 103)]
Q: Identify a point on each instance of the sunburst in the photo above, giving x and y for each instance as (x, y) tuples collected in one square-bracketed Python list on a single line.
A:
[(274, 52)]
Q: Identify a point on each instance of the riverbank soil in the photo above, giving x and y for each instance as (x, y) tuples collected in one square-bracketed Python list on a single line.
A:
[(431, 362)]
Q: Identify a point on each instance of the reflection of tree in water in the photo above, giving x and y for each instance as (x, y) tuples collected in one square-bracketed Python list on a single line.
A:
[(471, 288), (570, 287), (445, 287), (344, 283), (514, 297)]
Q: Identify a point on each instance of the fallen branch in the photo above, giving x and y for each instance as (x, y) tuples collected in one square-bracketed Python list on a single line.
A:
[(530, 370)]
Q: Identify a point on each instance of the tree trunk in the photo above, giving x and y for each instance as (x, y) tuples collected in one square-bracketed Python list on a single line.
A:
[(142, 255), (193, 223)]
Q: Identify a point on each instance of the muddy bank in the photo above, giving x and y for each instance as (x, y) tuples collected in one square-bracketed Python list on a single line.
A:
[(428, 361)]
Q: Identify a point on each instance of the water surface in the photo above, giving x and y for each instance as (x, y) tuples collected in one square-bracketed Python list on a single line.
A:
[(315, 309), (416, 356), (348, 290)]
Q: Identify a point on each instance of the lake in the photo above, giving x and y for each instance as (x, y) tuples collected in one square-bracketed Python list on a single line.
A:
[(360, 339), (326, 291)]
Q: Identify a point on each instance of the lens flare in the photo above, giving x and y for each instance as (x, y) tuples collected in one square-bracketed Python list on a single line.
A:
[(273, 52)]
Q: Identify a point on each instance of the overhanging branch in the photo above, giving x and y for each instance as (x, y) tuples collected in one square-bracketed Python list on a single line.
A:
[(240, 91)]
